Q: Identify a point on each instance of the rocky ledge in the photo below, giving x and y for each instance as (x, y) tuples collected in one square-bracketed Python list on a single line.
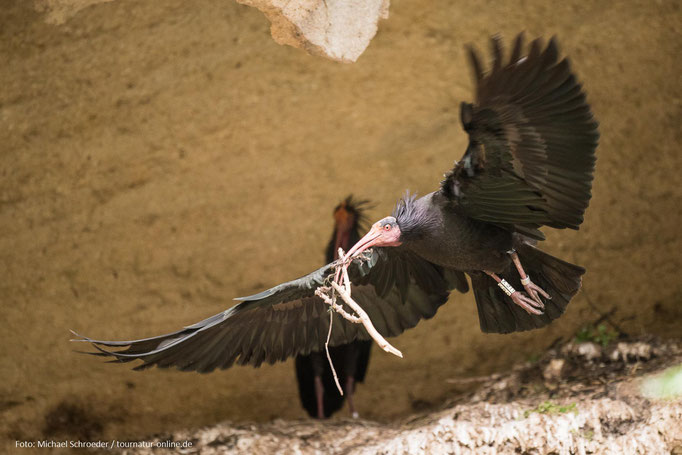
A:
[(579, 398)]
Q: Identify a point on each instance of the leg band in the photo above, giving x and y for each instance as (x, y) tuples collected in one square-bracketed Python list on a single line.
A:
[(506, 287)]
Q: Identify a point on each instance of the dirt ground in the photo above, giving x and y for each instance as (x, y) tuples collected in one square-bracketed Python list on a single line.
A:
[(577, 398), (160, 158)]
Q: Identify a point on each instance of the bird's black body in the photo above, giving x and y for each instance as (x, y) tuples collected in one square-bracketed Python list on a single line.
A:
[(447, 238), (350, 360), (529, 163)]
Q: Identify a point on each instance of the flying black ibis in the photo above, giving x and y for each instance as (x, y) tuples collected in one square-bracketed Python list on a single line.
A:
[(316, 386), (529, 163)]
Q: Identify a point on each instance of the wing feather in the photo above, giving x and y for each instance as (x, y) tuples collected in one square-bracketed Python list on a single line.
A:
[(532, 141), (397, 288)]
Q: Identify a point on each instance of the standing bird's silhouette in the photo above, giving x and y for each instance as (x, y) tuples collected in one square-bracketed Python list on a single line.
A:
[(316, 386), (529, 163)]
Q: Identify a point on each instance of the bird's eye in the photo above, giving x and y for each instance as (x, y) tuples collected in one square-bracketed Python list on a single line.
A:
[(387, 227)]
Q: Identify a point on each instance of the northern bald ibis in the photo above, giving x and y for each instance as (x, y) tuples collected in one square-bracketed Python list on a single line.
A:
[(529, 163), (316, 386)]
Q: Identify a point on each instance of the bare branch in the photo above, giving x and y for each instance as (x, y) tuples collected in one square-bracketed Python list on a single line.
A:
[(323, 293), (329, 358), (344, 292), (328, 295)]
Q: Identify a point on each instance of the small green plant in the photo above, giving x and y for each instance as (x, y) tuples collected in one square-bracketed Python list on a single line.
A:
[(534, 358), (600, 334), (548, 407), (587, 434)]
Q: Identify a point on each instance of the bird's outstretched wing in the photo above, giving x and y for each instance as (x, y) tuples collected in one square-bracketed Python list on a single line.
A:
[(532, 138), (396, 288)]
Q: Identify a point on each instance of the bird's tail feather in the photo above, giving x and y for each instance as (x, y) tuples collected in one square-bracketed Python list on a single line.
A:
[(499, 314)]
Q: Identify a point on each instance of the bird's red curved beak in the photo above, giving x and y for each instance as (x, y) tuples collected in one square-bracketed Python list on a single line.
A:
[(377, 236)]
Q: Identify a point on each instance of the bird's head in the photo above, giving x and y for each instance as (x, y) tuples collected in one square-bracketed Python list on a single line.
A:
[(349, 219), (384, 232), (345, 216)]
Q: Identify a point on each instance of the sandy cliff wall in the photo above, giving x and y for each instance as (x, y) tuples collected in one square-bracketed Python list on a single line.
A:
[(160, 158)]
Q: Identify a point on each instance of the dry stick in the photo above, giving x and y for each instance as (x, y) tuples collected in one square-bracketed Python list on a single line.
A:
[(321, 292), (364, 318), (324, 291), (329, 358)]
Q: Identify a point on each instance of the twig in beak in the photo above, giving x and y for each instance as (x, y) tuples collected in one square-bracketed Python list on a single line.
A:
[(328, 295), (329, 358), (364, 318)]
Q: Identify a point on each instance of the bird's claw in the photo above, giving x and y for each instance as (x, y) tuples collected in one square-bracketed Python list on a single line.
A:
[(533, 290), (528, 304)]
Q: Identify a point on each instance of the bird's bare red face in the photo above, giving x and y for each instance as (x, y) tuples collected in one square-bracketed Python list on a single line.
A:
[(385, 232), (344, 221)]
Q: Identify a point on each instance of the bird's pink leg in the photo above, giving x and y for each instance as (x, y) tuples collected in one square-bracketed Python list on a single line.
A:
[(350, 381), (531, 288), (319, 396), (530, 305)]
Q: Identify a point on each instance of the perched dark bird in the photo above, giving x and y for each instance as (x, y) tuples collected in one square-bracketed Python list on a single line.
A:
[(529, 163), (316, 385)]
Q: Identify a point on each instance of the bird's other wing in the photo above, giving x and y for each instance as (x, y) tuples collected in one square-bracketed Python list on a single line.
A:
[(396, 288), (532, 140)]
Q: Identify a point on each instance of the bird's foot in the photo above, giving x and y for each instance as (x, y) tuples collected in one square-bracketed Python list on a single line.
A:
[(530, 305), (533, 290)]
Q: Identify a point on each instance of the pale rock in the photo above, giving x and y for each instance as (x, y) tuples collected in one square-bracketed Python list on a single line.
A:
[(336, 29), (588, 350), (632, 351), (553, 370)]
